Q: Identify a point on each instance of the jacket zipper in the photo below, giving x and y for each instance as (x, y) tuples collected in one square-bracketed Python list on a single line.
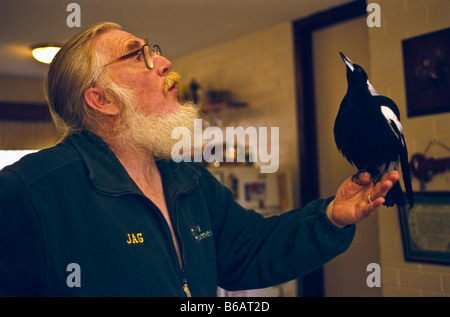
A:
[(180, 265), (186, 290), (185, 287), (180, 245)]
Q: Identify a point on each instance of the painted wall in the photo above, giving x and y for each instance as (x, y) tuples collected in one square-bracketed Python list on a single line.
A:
[(258, 70), (402, 20)]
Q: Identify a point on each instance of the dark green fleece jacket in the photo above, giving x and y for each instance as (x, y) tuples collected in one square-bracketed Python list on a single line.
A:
[(73, 223)]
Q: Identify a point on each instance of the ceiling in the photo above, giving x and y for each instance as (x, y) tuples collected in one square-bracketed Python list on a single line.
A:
[(180, 27)]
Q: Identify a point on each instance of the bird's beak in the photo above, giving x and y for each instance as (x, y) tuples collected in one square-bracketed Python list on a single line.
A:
[(347, 62)]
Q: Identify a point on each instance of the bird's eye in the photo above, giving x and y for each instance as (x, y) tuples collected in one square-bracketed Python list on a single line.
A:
[(359, 70)]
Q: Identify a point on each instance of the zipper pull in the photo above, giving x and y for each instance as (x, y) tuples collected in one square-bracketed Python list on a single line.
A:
[(185, 286), (186, 290)]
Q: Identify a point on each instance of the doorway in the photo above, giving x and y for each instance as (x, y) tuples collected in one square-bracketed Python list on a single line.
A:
[(320, 85)]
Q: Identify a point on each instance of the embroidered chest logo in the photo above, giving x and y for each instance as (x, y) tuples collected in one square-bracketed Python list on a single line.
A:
[(199, 235), (135, 238)]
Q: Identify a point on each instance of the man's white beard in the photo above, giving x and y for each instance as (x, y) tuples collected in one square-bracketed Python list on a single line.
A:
[(153, 133)]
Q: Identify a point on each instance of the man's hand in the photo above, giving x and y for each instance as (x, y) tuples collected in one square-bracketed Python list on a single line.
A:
[(352, 204)]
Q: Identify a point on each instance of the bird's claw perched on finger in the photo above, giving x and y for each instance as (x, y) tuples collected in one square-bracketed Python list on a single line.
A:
[(355, 177)]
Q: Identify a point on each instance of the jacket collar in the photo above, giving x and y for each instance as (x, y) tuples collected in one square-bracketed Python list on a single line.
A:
[(106, 173)]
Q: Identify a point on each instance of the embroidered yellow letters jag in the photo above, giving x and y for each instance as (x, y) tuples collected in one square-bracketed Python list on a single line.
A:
[(132, 238)]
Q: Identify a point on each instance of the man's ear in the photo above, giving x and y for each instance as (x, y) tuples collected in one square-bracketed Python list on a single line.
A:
[(96, 99)]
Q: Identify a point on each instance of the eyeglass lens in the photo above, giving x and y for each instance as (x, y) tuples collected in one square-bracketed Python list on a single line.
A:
[(148, 53)]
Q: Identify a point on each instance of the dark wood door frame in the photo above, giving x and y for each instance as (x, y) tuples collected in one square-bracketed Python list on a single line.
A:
[(312, 284)]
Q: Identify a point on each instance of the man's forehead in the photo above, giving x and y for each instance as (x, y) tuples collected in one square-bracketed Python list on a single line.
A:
[(118, 41)]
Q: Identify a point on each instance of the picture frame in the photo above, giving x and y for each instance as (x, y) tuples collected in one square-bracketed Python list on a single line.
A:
[(425, 228), (426, 60), (255, 191)]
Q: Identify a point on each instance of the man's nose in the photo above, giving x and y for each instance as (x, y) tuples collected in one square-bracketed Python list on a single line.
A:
[(162, 65)]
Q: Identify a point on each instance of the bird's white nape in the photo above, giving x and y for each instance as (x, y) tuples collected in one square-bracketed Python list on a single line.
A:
[(372, 90)]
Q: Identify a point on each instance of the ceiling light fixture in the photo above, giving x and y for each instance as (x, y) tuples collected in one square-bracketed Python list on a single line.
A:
[(44, 53)]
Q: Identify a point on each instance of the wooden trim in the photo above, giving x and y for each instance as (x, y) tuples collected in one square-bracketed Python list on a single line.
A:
[(18, 111), (312, 284)]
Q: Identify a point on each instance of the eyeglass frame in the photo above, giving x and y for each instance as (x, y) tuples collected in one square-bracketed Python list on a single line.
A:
[(155, 49)]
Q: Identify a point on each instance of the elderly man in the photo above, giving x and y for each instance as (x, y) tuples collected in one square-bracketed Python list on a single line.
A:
[(107, 213)]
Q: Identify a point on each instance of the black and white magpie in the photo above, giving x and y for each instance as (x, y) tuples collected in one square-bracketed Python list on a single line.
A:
[(368, 133)]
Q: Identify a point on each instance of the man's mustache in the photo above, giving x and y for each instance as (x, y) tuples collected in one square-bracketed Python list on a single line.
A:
[(172, 79)]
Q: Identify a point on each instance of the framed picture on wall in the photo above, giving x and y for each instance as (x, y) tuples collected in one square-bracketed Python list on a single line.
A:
[(426, 60), (426, 228)]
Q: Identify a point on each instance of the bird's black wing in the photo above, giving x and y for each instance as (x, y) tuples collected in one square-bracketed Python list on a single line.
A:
[(391, 113)]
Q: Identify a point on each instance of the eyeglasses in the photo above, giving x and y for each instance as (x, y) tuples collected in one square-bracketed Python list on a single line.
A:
[(147, 53)]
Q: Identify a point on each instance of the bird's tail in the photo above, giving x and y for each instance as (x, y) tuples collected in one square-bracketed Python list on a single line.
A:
[(395, 196), (407, 177)]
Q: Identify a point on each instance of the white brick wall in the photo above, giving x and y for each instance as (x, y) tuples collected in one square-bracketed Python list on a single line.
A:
[(403, 19), (259, 70)]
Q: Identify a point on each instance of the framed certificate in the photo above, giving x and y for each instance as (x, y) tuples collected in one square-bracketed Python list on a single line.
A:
[(426, 228)]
